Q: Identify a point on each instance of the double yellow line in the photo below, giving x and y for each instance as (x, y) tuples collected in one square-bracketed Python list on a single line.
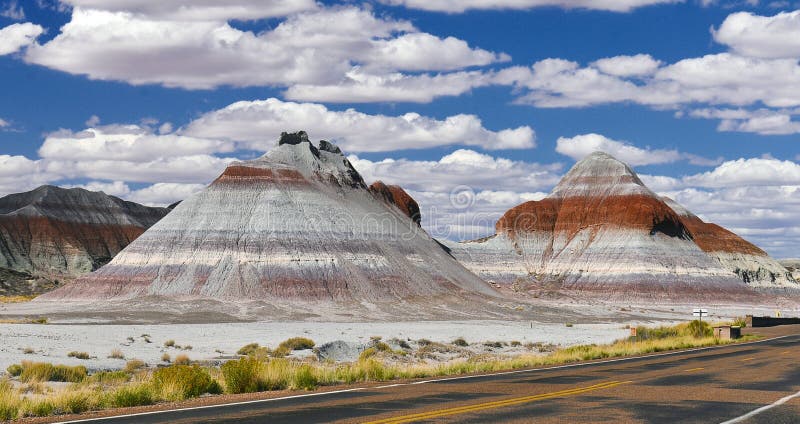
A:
[(496, 404)]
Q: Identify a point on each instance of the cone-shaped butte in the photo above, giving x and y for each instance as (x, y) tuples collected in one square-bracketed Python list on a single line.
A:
[(600, 232), (297, 224)]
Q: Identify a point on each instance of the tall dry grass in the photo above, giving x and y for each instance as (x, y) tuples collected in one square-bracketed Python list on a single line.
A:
[(140, 386)]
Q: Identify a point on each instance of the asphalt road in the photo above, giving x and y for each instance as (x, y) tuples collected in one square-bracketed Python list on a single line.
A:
[(703, 386)]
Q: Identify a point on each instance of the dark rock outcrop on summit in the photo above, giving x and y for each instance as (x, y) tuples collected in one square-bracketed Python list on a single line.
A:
[(58, 233)]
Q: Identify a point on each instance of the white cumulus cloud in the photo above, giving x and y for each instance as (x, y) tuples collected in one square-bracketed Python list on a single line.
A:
[(579, 146), (15, 37), (752, 35), (200, 10), (459, 6), (258, 123), (318, 47)]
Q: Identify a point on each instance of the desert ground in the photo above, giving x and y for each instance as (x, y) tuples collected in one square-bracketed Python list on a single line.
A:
[(216, 335)]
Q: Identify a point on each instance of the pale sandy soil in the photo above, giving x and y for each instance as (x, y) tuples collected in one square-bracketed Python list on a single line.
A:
[(217, 333)]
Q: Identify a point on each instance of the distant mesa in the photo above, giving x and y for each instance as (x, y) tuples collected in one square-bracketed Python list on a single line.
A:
[(53, 234), (603, 232), (295, 225)]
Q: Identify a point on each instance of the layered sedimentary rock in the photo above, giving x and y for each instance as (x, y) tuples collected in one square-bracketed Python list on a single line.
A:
[(397, 197), (60, 233), (600, 231), (793, 266), (734, 253), (298, 224)]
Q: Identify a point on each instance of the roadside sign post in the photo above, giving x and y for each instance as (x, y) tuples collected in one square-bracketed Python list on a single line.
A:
[(700, 313)]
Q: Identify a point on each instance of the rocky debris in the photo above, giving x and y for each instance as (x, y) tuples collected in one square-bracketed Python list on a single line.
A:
[(296, 225), (340, 351), (58, 233), (793, 266), (600, 232), (14, 283), (396, 196)]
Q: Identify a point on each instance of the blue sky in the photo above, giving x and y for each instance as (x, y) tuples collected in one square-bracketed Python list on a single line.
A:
[(138, 98)]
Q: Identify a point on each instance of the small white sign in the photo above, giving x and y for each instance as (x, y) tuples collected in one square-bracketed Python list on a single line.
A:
[(700, 312)]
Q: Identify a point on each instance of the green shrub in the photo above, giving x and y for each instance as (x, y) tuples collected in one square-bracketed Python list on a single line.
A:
[(79, 355), (516, 343), (656, 333), (297, 343), (132, 395), (699, 329), (14, 370), (740, 322), (248, 349), (178, 382), (242, 375), (460, 342)]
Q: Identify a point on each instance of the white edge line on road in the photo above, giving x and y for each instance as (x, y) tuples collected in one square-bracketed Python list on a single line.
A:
[(755, 412), (464, 377)]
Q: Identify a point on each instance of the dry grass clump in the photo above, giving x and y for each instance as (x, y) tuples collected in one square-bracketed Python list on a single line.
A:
[(116, 354), (182, 360), (179, 382), (169, 343), (10, 402), (16, 299), (166, 358), (78, 355), (41, 371), (254, 349), (109, 378), (134, 365), (132, 395), (740, 322), (28, 351), (251, 374)]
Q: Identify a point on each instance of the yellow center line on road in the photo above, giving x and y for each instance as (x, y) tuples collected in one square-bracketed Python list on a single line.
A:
[(747, 359), (695, 369), (495, 404)]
